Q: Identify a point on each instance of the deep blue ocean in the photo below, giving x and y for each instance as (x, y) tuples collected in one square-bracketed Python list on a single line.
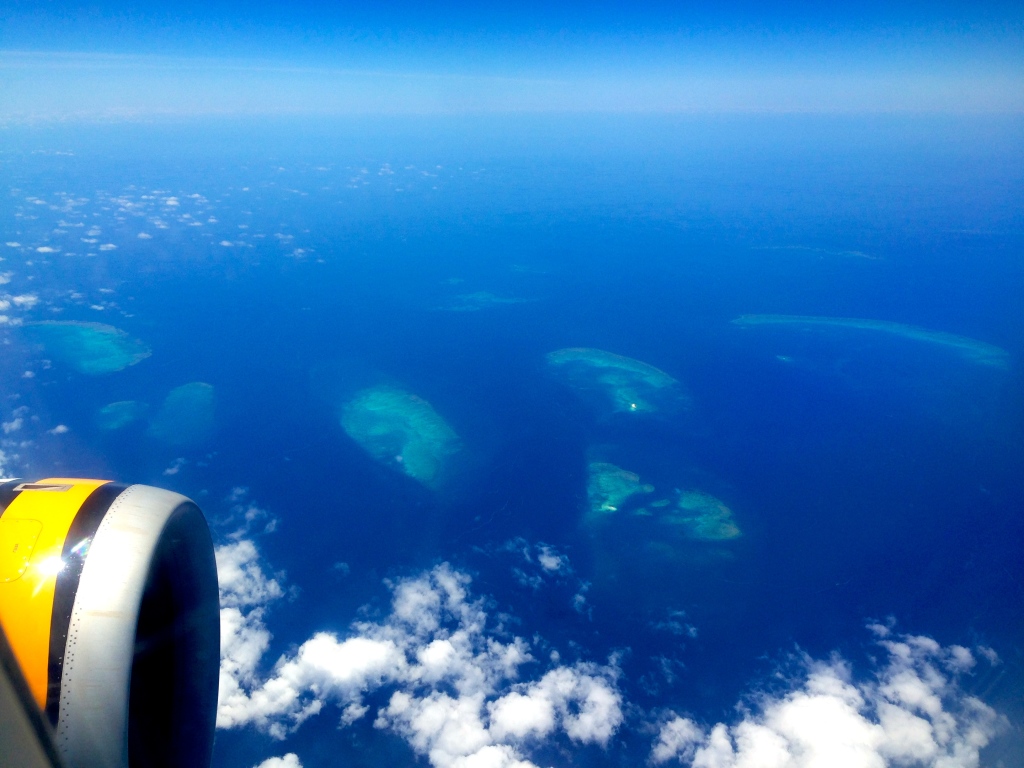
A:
[(875, 476)]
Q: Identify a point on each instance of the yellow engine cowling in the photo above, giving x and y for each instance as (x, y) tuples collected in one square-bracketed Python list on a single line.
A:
[(108, 600)]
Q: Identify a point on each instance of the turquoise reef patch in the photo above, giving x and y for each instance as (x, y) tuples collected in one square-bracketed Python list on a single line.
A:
[(616, 493), (401, 430), (186, 415), (89, 348), (620, 383), (120, 414)]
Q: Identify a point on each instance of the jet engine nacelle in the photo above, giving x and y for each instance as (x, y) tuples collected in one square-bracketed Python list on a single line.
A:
[(109, 602)]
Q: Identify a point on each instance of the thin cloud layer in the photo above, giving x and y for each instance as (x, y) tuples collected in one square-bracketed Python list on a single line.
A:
[(911, 712), (453, 674), (47, 86)]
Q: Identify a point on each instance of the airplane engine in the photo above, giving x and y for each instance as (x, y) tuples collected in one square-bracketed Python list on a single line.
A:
[(109, 603)]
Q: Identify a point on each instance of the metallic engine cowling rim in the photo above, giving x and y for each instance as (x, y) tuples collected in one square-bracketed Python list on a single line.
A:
[(92, 728)]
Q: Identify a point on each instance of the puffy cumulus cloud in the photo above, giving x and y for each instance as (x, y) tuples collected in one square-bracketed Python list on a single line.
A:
[(911, 712), (243, 584), (677, 738), (580, 698), (245, 591), (291, 760), (453, 679)]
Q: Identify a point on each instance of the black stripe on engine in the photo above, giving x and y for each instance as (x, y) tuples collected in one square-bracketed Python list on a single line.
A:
[(76, 547), (8, 494)]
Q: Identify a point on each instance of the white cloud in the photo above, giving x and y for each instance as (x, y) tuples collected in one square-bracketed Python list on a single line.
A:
[(550, 560), (25, 300), (582, 698), (540, 562), (990, 655), (242, 581), (675, 623), (147, 236), (46, 249), (176, 466), (912, 711), (455, 694), (291, 760), (5, 277), (246, 515), (12, 244), (12, 426), (108, 247), (244, 592), (540, 566), (60, 429), (677, 738)]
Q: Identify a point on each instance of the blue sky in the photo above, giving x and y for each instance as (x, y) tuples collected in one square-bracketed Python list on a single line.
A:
[(122, 59)]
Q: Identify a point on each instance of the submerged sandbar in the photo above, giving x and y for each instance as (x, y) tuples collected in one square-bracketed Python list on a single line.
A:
[(979, 352)]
